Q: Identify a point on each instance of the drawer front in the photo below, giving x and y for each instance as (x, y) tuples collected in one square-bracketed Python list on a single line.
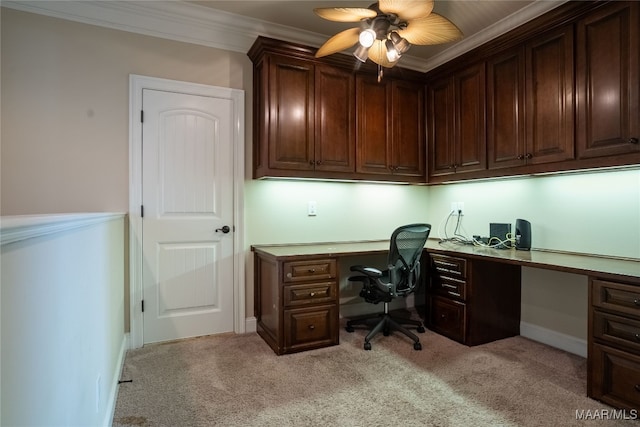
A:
[(615, 377), (310, 328), (300, 271), (616, 296), (447, 317), (312, 293), (450, 287), (449, 266), (616, 330)]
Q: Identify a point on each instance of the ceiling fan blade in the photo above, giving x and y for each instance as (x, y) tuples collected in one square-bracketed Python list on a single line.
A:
[(344, 14), (341, 41), (433, 29), (407, 10), (378, 54)]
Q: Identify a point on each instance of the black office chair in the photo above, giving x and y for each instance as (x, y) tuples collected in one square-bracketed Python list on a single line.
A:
[(399, 280)]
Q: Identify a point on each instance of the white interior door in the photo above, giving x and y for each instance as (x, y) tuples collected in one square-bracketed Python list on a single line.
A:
[(187, 193)]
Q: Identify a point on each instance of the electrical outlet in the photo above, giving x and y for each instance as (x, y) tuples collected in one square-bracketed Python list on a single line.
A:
[(461, 208), (454, 208), (312, 208)]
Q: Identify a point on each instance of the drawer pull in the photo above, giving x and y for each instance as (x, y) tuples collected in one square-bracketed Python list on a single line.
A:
[(313, 294), (312, 270), (637, 337), (637, 387), (636, 301), (312, 327)]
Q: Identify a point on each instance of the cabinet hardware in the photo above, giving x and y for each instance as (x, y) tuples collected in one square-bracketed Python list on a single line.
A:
[(637, 387), (636, 301), (313, 294), (312, 270), (312, 327), (528, 156), (637, 336), (633, 140)]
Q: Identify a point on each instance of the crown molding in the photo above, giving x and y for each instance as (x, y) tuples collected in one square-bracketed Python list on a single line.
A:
[(196, 24)]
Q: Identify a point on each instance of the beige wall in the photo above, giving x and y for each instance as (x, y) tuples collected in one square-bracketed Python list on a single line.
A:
[(65, 118)]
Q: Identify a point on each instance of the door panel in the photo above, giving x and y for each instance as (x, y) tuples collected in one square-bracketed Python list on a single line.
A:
[(187, 195)]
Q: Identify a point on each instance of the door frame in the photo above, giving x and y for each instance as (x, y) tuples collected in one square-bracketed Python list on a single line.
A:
[(136, 84)]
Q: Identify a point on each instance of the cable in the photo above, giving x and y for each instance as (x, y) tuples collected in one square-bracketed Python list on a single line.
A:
[(461, 239)]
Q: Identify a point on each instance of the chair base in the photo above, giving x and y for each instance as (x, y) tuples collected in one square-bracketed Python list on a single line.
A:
[(386, 324)]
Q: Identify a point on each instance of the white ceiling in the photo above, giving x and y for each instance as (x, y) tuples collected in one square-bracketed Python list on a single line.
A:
[(479, 20), (234, 25)]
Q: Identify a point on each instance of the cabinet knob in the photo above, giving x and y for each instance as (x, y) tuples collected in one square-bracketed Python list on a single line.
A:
[(312, 327), (312, 270), (528, 156), (637, 336), (318, 162), (637, 387), (633, 140), (520, 157), (313, 294), (636, 301)]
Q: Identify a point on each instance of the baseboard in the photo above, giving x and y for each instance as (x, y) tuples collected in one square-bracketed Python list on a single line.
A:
[(553, 338), (250, 324), (113, 394)]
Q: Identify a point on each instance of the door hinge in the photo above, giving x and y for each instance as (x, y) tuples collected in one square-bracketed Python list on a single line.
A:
[(141, 116), (141, 211), (142, 305)]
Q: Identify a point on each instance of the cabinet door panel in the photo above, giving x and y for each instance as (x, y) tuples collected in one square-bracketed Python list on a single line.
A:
[(440, 128), (408, 143), (505, 115), (371, 116), (607, 81), (335, 138), (291, 109), (470, 124), (549, 89)]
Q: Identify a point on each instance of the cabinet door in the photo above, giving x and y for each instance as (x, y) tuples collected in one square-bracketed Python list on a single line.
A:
[(549, 92), (505, 119), (440, 127), (407, 139), (607, 81), (470, 121), (334, 137), (291, 114), (372, 125)]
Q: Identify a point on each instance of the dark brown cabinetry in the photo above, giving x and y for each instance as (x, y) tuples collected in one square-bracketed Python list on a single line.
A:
[(473, 301), (608, 81), (390, 128), (315, 118), (456, 122), (530, 102), (296, 302), (614, 343), (304, 118)]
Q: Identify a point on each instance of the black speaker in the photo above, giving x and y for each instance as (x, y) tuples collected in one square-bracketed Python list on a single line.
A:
[(523, 235)]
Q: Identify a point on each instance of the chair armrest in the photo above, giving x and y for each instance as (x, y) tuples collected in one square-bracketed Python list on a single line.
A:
[(369, 271)]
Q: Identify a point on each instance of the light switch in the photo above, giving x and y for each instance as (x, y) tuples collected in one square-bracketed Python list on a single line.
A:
[(312, 208)]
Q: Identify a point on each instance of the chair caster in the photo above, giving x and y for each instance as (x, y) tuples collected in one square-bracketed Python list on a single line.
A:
[(367, 346), (420, 329), (349, 328), (417, 346)]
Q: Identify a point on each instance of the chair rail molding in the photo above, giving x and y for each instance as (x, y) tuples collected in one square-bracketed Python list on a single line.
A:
[(201, 25)]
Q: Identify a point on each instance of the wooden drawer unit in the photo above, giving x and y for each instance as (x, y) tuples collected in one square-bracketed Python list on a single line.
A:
[(614, 342), (296, 302), (473, 301)]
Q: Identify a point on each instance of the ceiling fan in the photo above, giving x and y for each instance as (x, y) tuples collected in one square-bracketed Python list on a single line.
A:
[(387, 30)]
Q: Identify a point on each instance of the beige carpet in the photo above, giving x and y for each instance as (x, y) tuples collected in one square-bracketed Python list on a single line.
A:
[(236, 380)]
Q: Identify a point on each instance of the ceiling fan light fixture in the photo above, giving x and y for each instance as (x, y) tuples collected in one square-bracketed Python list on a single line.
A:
[(361, 53), (367, 37), (402, 45), (392, 53)]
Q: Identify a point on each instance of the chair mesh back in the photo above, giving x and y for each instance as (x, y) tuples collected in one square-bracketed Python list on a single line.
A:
[(407, 243)]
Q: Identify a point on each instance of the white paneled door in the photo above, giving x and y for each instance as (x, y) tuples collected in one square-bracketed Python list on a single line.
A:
[(187, 227)]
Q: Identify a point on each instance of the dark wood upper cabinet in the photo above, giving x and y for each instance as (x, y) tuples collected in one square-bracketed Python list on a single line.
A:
[(457, 123), (608, 81), (335, 119), (390, 128), (531, 102)]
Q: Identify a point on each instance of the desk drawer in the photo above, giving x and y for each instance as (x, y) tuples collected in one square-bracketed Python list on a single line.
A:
[(449, 266), (616, 296), (615, 377), (616, 330), (447, 317), (312, 293), (449, 287), (307, 328), (299, 271)]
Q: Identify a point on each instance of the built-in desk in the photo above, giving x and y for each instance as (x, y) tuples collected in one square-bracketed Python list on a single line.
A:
[(473, 296)]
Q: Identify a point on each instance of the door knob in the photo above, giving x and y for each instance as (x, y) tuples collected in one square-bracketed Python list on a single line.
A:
[(225, 229)]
